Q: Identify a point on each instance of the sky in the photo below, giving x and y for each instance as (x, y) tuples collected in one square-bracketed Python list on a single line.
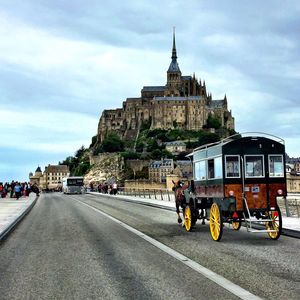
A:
[(63, 62)]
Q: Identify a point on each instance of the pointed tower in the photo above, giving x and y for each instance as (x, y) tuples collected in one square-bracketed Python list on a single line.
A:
[(225, 102), (173, 74)]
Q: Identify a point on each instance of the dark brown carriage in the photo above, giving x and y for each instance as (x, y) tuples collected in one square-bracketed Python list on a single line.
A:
[(238, 181)]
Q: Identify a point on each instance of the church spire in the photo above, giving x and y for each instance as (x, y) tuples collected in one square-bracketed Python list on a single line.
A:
[(174, 53), (174, 65)]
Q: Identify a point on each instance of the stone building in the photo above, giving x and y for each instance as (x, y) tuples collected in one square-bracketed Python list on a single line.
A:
[(184, 169), (176, 147), (51, 178), (292, 183), (297, 167), (159, 169), (54, 174), (37, 178), (183, 102)]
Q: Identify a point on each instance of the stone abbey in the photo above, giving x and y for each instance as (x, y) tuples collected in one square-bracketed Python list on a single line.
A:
[(183, 103)]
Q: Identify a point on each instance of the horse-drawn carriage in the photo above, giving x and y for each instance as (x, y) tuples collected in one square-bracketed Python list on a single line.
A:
[(237, 180)]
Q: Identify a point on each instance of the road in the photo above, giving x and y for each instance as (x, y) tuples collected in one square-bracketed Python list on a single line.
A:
[(69, 247)]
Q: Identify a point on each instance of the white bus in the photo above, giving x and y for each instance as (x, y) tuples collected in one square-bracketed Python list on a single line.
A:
[(73, 185)]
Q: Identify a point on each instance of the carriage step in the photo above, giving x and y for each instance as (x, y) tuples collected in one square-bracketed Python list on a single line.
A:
[(258, 221), (261, 231)]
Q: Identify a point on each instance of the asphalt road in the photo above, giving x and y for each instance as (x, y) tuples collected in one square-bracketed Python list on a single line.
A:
[(65, 249)]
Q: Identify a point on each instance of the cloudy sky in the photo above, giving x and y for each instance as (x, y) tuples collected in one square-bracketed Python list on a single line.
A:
[(63, 62)]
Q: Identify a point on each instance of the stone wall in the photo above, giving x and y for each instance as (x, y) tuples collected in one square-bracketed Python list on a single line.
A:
[(151, 185), (143, 184)]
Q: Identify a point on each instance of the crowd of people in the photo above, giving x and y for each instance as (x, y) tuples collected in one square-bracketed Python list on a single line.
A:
[(16, 189), (105, 188)]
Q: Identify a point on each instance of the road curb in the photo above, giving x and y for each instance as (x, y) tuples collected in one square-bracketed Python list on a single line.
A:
[(13, 225)]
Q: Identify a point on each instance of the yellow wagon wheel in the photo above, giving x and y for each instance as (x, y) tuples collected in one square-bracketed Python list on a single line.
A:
[(188, 218), (275, 224), (215, 222), (236, 225)]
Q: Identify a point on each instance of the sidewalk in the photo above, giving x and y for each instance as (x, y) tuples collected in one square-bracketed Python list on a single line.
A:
[(12, 211), (291, 223)]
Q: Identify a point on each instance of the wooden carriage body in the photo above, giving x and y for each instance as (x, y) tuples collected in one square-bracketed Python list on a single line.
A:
[(243, 174), (250, 167)]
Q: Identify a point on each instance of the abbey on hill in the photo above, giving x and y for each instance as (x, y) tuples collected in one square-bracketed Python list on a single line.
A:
[(183, 103)]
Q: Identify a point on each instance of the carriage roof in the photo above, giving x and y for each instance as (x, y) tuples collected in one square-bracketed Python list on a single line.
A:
[(214, 149)]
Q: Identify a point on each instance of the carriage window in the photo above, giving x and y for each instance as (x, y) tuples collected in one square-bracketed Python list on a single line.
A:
[(276, 166), (218, 167), (197, 171), (254, 166), (232, 166), (210, 169), (214, 168), (200, 172)]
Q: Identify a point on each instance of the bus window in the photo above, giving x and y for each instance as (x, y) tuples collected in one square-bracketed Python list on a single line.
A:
[(232, 168), (254, 166), (276, 166)]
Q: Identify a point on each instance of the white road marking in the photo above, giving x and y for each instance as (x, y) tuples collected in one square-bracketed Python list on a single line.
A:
[(218, 279)]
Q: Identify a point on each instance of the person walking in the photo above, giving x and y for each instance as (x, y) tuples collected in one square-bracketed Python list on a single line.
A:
[(18, 190), (28, 189), (2, 193), (114, 188), (12, 187)]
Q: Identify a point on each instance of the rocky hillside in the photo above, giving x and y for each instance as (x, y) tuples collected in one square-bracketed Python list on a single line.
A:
[(105, 167)]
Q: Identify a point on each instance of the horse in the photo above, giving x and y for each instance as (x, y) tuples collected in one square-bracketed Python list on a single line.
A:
[(180, 200)]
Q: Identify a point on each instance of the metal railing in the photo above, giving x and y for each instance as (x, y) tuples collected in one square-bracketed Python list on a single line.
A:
[(156, 194)]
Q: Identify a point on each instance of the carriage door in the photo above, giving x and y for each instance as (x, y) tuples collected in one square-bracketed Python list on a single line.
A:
[(254, 186)]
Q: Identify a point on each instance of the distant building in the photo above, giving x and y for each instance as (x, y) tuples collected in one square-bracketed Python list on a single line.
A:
[(159, 169), (51, 178), (293, 183), (176, 147), (297, 167), (37, 178), (289, 168), (184, 169), (54, 174)]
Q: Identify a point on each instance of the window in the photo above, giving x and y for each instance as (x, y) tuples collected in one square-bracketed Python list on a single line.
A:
[(254, 166), (210, 169), (200, 173), (214, 168), (276, 166), (232, 166), (218, 167)]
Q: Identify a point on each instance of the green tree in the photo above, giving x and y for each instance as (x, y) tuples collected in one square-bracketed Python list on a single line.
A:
[(166, 154), (208, 138), (143, 174), (156, 154), (111, 143), (213, 122), (152, 145)]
